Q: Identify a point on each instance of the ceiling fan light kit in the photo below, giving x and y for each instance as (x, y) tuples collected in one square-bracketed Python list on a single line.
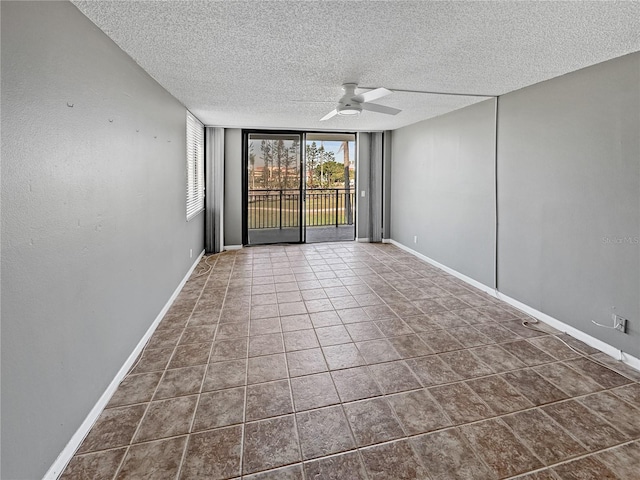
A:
[(349, 110)]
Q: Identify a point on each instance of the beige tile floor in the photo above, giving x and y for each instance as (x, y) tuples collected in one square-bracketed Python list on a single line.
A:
[(358, 361)]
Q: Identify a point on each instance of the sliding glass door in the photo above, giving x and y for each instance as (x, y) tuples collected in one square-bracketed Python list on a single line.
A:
[(273, 199), (298, 187)]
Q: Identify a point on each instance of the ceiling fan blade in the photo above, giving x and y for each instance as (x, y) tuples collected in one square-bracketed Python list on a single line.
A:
[(372, 95), (374, 107), (329, 115)]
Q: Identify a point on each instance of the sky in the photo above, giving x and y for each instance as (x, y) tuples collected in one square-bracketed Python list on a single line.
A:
[(335, 146)]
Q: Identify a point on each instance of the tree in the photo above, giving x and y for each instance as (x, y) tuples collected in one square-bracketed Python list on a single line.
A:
[(313, 160), (252, 165), (279, 153), (291, 162), (316, 158), (325, 157), (332, 172), (267, 159)]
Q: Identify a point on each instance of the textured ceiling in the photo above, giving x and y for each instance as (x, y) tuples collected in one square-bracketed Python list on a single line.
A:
[(280, 64)]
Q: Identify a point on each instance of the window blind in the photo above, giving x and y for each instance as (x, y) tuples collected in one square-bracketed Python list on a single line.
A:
[(195, 166)]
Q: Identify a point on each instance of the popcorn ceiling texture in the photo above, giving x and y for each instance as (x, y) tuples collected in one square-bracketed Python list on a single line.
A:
[(281, 64)]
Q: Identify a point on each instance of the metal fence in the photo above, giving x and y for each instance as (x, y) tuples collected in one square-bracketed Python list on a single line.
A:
[(280, 208)]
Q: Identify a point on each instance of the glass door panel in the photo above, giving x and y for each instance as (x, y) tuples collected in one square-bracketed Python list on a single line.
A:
[(330, 187), (274, 200)]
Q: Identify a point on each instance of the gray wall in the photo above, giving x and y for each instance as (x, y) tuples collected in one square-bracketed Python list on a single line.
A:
[(569, 179), (233, 186), (443, 191), (94, 236)]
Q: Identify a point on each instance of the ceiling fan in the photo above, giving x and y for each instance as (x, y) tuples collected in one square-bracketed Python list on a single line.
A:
[(351, 104)]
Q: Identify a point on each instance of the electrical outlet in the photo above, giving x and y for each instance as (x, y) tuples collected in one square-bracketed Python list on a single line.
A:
[(415, 239), (620, 323), (191, 253)]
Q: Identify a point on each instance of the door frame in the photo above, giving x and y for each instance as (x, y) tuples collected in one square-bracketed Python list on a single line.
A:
[(303, 177)]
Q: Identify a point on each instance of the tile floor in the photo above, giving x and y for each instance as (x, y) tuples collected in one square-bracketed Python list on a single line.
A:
[(358, 361)]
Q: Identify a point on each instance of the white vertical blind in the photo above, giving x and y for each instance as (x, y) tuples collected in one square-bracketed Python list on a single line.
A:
[(195, 166)]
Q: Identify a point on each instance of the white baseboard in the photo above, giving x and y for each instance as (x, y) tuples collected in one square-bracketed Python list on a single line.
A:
[(362, 239), (387, 240), (572, 331), (65, 456), (232, 247), (543, 317), (455, 273)]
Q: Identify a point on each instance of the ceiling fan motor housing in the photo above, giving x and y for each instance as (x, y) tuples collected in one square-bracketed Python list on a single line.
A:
[(347, 105)]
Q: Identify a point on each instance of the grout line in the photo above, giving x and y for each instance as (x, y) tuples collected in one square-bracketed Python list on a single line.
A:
[(406, 437), (120, 465), (293, 405), (166, 367), (367, 368), (526, 446), (204, 376), (246, 376), (569, 434), (593, 453), (387, 265)]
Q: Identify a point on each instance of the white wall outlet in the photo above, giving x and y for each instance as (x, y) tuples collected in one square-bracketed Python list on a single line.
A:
[(362, 193), (415, 239), (191, 253), (620, 323)]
